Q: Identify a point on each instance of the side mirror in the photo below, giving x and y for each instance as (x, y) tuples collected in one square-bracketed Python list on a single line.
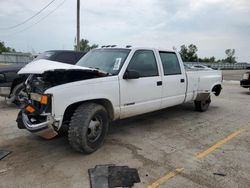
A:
[(131, 75)]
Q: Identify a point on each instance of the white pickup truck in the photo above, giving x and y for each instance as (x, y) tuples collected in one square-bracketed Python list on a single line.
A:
[(108, 84)]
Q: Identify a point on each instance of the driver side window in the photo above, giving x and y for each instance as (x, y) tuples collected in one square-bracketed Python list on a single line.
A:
[(144, 62)]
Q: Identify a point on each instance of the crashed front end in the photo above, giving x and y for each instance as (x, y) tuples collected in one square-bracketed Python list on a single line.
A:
[(36, 113)]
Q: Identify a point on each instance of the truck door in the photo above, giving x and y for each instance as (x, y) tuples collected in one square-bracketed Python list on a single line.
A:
[(143, 94), (174, 80)]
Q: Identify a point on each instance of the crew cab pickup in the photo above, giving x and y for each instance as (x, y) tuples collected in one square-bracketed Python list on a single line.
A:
[(108, 84)]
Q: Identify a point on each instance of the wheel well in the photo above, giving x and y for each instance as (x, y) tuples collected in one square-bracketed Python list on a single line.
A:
[(217, 89), (71, 108), (16, 82)]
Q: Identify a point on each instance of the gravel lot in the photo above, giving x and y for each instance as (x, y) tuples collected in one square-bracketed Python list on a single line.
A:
[(156, 144)]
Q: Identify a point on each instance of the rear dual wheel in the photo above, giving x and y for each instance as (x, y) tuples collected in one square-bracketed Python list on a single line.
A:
[(202, 106)]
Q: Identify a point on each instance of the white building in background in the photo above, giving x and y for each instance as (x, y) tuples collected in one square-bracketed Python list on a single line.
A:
[(15, 57)]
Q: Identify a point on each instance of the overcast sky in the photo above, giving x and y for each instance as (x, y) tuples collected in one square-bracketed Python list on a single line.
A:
[(212, 25)]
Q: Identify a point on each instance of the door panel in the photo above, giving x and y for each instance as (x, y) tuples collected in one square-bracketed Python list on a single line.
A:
[(173, 90), (174, 80), (141, 95)]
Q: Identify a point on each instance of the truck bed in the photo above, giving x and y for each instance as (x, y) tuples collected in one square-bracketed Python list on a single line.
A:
[(201, 81)]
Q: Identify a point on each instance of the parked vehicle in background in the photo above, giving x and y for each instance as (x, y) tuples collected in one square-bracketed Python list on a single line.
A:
[(9, 77), (63, 56), (197, 67), (109, 84), (201, 67), (245, 81), (11, 84)]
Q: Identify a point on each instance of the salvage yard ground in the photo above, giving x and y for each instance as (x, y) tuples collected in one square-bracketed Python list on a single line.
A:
[(175, 147)]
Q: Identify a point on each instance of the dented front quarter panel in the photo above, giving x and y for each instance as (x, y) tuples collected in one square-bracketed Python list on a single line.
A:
[(69, 84), (85, 90)]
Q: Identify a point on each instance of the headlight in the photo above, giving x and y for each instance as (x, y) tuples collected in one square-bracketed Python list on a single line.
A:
[(43, 99)]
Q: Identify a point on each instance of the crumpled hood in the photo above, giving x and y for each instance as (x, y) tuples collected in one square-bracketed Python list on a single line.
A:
[(42, 65)]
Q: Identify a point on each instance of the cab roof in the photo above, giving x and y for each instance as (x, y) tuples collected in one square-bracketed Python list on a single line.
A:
[(138, 48)]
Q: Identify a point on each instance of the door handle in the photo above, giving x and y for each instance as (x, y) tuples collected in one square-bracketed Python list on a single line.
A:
[(182, 80), (159, 83)]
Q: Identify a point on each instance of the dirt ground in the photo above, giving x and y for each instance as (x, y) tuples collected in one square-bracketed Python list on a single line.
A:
[(162, 144)]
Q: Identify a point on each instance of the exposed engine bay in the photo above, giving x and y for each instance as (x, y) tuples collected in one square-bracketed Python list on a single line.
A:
[(38, 83)]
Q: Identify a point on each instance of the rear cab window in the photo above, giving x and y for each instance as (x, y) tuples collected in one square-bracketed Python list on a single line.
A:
[(170, 63)]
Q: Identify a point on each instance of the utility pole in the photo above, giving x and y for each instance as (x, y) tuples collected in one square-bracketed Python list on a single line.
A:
[(78, 26)]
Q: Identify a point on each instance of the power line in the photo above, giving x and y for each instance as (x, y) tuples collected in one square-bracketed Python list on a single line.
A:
[(41, 18), (28, 19)]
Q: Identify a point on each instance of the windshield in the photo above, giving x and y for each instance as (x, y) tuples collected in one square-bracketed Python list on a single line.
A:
[(107, 60)]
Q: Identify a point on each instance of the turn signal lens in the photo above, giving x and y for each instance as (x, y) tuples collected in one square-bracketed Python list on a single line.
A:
[(30, 109), (44, 99)]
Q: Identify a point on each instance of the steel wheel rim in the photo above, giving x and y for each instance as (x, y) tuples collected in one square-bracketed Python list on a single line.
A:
[(94, 129)]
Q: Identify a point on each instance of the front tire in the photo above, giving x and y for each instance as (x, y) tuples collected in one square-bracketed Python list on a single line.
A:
[(88, 127), (18, 94), (202, 106)]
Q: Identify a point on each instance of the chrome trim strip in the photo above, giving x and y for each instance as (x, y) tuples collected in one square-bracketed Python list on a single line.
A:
[(33, 127)]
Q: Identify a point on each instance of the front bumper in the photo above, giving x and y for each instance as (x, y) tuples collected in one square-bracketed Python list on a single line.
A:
[(245, 83), (44, 129), (4, 91)]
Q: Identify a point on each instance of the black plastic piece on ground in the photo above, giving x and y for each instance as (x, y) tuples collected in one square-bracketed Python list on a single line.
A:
[(99, 176), (123, 176), (4, 153), (109, 176)]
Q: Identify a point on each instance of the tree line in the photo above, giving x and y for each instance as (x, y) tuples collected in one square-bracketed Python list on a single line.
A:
[(188, 53), (4, 48)]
